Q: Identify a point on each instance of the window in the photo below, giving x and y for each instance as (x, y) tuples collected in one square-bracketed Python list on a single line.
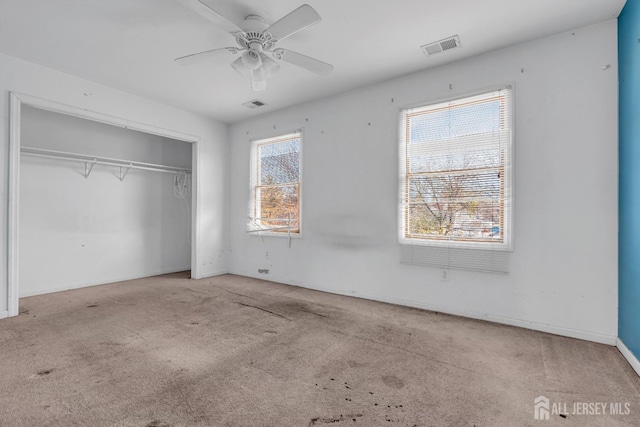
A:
[(455, 164), (275, 184)]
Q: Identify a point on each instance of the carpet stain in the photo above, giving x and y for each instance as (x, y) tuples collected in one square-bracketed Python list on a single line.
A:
[(355, 364), (241, 295), (337, 419), (42, 373), (156, 423), (191, 290), (262, 309), (314, 313), (393, 382), (295, 309), (204, 300)]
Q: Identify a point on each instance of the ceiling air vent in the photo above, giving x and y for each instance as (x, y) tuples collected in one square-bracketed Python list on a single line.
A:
[(441, 46), (254, 104)]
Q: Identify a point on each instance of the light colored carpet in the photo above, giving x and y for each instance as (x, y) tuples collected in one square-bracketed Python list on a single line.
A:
[(232, 351)]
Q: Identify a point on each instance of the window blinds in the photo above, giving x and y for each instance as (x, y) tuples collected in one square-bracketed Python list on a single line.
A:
[(456, 179)]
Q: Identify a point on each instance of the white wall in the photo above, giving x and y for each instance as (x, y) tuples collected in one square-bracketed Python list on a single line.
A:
[(211, 172), (563, 276), (76, 232)]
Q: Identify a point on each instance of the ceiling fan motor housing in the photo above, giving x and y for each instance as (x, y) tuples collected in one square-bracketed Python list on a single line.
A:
[(255, 41), (254, 36)]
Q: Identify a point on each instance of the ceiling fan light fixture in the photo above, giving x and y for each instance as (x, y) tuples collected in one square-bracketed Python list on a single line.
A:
[(269, 66), (238, 66), (258, 80), (258, 86), (259, 74), (251, 59)]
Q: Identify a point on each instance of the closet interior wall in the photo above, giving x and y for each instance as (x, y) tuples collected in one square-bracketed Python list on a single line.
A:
[(76, 231)]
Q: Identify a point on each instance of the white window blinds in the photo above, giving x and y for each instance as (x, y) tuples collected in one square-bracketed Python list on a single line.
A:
[(456, 175)]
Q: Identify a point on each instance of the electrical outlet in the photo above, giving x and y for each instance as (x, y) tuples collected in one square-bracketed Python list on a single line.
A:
[(266, 255), (444, 274)]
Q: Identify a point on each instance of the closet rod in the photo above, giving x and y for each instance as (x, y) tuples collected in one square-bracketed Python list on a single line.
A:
[(85, 158)]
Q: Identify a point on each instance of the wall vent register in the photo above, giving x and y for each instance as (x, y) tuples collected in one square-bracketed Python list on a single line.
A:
[(254, 104), (441, 46)]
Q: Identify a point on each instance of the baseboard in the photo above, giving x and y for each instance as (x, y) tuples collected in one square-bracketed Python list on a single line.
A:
[(277, 279), (536, 326), (212, 274), (107, 281), (631, 358), (542, 327), (4, 314)]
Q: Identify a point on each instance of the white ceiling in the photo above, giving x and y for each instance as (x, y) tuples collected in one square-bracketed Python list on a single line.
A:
[(130, 44)]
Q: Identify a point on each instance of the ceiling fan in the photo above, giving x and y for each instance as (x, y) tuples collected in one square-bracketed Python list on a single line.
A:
[(257, 42)]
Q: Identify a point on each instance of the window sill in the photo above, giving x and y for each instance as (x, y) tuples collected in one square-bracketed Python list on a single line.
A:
[(449, 244), (272, 234)]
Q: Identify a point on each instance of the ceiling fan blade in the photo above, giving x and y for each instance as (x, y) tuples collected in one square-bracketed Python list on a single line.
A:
[(303, 61), (206, 10), (299, 19), (200, 56)]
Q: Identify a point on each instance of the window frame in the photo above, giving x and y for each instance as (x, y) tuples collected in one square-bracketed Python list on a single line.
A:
[(254, 184), (507, 166)]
